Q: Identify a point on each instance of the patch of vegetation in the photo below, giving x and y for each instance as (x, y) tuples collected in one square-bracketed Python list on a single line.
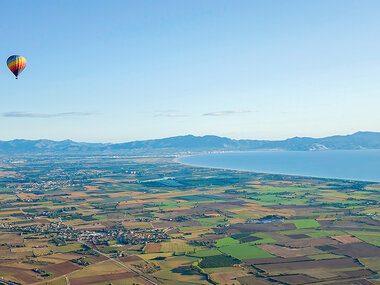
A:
[(218, 261), (239, 236)]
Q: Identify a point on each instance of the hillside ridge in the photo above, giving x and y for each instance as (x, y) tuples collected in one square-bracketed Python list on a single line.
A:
[(358, 140)]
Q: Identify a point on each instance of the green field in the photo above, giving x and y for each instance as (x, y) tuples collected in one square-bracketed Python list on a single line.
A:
[(370, 237), (264, 239), (325, 256), (226, 241), (306, 224), (66, 248), (244, 251)]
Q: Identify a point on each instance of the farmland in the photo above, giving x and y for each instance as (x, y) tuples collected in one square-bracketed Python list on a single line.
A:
[(150, 220)]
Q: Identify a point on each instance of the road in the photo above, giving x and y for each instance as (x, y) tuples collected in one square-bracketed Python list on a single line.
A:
[(123, 265)]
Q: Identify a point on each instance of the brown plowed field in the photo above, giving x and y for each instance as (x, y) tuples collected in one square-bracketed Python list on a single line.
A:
[(311, 242), (62, 268), (130, 258), (289, 252), (273, 227), (295, 279), (328, 263), (346, 239), (274, 260), (357, 250), (298, 236), (358, 273), (101, 278), (22, 274), (227, 278), (353, 282), (96, 259), (250, 280), (152, 248)]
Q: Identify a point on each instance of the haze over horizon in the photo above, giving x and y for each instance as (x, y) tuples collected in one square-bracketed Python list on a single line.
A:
[(243, 69), (159, 138)]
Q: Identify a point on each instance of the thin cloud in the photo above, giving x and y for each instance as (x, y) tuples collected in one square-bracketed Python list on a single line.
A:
[(227, 112), (167, 111), (171, 115), (42, 115)]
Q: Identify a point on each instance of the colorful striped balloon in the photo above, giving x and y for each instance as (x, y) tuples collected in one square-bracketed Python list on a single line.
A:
[(16, 64)]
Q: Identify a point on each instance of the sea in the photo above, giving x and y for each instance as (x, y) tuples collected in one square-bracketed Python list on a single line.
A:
[(361, 165)]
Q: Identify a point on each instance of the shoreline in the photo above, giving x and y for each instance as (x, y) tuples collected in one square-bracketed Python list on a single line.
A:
[(176, 160)]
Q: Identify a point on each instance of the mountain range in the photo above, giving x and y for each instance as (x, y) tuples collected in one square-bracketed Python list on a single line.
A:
[(190, 143)]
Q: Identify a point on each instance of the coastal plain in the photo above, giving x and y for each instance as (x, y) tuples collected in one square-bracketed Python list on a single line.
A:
[(150, 220)]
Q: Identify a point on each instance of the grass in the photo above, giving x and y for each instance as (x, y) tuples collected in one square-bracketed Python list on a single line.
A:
[(129, 281), (264, 239), (41, 251), (371, 262), (208, 252), (325, 256), (297, 231), (171, 271), (245, 251), (108, 249), (213, 221), (226, 241), (165, 205), (148, 256), (106, 267), (221, 269), (370, 237), (101, 218), (306, 224), (60, 281), (241, 235), (325, 233), (66, 248), (4, 273), (194, 228), (177, 246)]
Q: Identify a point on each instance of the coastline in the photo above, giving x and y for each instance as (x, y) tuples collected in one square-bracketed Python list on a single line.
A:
[(177, 160)]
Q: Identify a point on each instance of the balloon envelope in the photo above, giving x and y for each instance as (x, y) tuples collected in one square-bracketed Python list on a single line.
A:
[(16, 64)]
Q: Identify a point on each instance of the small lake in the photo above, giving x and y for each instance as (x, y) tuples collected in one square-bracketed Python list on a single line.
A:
[(342, 164)]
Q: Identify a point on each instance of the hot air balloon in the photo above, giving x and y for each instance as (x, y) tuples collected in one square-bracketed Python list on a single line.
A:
[(16, 64)]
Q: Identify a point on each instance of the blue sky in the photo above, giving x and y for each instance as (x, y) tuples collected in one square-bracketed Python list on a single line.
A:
[(113, 71)]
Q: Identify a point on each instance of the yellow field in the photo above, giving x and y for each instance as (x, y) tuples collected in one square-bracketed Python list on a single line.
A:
[(176, 246), (27, 196), (168, 275), (149, 256), (41, 251), (133, 225), (106, 267)]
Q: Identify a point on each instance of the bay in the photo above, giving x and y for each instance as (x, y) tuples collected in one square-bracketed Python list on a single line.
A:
[(361, 165)]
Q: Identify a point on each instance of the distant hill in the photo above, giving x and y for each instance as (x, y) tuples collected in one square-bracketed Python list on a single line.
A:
[(359, 140)]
